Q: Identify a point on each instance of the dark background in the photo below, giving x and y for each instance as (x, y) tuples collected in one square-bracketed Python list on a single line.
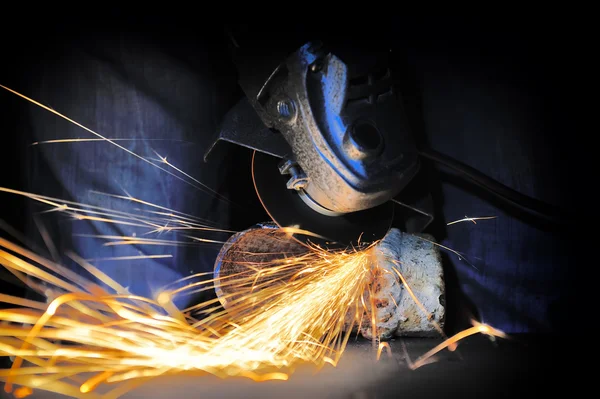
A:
[(500, 96)]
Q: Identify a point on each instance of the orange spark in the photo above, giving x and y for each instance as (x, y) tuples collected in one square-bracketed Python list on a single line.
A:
[(201, 186), (478, 328)]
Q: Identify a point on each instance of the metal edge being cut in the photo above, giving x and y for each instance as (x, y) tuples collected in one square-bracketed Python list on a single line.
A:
[(287, 209), (397, 314)]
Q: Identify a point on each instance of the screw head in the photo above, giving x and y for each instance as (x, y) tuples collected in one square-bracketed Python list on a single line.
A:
[(286, 109)]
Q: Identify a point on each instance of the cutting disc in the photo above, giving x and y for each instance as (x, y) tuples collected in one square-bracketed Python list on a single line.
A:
[(287, 209)]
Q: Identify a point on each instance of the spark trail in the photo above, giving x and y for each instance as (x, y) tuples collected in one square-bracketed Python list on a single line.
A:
[(88, 340)]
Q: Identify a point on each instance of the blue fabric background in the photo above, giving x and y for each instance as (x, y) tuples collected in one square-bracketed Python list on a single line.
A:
[(489, 103)]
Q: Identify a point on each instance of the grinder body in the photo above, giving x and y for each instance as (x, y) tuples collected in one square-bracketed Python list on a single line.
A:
[(332, 140)]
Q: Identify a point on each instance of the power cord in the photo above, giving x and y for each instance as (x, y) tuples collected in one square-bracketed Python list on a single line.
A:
[(523, 202)]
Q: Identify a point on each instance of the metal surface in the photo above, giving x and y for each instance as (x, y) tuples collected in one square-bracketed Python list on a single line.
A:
[(347, 133), (288, 209), (396, 312)]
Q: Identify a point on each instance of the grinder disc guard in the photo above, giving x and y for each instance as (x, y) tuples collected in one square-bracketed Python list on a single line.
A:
[(287, 209)]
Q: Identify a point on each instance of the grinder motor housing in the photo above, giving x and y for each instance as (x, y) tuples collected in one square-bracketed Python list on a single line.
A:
[(350, 148)]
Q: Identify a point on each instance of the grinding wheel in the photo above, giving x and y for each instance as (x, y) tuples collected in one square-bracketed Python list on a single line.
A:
[(287, 209)]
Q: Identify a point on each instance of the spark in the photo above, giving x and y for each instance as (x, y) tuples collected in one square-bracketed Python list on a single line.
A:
[(468, 219), (291, 230), (381, 347), (23, 392), (460, 255), (201, 187), (169, 229), (298, 321), (79, 140), (80, 212), (289, 312), (164, 160), (169, 212), (133, 257), (478, 328), (206, 240)]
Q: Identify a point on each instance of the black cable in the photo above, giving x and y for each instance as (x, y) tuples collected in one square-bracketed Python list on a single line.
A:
[(506, 193)]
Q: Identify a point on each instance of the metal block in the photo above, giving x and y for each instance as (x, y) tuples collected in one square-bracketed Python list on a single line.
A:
[(417, 258)]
